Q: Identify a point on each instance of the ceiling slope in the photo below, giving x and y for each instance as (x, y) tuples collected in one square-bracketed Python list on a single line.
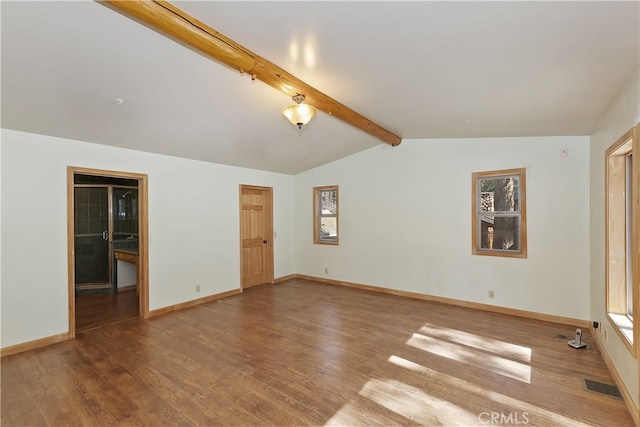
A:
[(419, 69), (169, 20)]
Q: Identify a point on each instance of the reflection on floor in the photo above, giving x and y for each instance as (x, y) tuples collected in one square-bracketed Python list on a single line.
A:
[(104, 309), (304, 353)]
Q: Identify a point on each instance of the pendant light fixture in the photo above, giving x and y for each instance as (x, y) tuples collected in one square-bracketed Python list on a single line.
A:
[(299, 114)]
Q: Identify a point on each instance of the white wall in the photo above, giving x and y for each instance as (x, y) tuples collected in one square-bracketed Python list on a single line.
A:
[(193, 227), (405, 222), (622, 115)]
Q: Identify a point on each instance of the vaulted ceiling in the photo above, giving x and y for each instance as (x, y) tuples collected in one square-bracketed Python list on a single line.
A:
[(419, 69)]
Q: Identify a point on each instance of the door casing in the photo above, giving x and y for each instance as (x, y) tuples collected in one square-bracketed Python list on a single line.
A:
[(266, 232), (143, 238)]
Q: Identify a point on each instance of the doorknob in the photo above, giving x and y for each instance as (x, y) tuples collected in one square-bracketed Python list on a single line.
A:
[(264, 241), (105, 235)]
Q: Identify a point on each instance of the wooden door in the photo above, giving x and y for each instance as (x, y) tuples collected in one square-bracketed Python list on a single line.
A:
[(256, 234)]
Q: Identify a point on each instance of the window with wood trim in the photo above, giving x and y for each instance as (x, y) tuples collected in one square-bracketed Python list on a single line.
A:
[(499, 226), (325, 215), (622, 230)]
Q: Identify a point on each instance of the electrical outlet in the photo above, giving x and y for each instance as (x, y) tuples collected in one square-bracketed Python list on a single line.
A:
[(197, 288), (492, 294), (326, 270)]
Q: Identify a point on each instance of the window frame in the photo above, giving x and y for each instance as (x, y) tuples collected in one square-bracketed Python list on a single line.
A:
[(476, 214), (318, 215), (622, 226)]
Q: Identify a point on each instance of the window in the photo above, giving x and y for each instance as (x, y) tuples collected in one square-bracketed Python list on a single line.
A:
[(622, 221), (325, 215), (499, 214)]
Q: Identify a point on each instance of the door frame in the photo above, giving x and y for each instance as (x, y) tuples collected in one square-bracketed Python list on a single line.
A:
[(268, 229), (143, 240)]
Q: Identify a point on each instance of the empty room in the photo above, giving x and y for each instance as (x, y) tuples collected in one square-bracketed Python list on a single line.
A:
[(230, 213)]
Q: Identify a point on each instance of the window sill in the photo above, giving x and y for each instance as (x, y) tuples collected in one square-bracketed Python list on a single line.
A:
[(325, 242), (624, 326)]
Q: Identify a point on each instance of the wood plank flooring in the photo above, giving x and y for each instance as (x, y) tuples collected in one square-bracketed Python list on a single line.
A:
[(303, 353), (104, 309)]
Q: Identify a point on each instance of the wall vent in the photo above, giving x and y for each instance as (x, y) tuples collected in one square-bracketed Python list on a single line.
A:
[(602, 388)]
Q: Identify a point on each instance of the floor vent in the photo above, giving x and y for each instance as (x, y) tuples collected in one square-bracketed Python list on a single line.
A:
[(602, 388)]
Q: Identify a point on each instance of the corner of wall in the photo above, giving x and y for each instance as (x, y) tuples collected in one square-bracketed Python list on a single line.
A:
[(621, 115)]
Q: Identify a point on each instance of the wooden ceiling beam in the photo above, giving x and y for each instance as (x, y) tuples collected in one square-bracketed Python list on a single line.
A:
[(178, 25)]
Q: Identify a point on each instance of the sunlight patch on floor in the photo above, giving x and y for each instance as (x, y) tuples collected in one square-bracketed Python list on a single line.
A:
[(504, 349), (355, 414), (498, 364), (416, 405), (536, 414)]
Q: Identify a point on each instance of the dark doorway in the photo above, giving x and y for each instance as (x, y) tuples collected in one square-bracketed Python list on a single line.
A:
[(105, 222)]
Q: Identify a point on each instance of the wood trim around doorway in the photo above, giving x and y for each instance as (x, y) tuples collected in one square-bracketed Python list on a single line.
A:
[(143, 238)]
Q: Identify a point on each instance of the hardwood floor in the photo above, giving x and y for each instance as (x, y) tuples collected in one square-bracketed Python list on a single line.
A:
[(104, 309), (303, 353)]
